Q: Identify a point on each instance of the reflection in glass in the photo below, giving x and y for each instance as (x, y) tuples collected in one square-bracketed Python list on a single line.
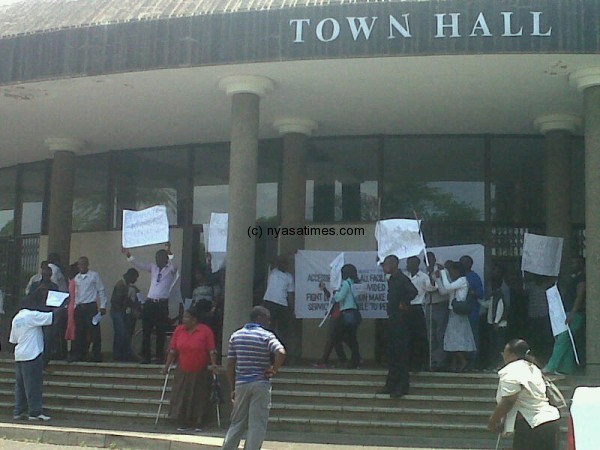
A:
[(436, 178), (90, 195), (8, 179), (342, 180), (33, 187)]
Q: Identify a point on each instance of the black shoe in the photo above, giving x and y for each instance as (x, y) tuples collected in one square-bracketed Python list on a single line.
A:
[(397, 394)]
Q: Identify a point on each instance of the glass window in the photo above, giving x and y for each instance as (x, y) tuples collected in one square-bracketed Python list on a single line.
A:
[(33, 186), (517, 186), (90, 196), (342, 180), (8, 184), (438, 178), (211, 180), (148, 178)]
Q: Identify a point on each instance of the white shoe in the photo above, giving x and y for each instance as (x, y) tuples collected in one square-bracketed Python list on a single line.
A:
[(41, 417)]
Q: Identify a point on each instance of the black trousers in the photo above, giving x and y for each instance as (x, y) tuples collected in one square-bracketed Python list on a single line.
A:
[(155, 317), (280, 321), (545, 436), (397, 340), (83, 329), (419, 344)]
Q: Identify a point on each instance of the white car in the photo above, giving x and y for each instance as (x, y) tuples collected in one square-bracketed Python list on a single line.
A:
[(584, 432)]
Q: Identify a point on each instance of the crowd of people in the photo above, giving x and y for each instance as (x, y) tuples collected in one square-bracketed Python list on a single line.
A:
[(439, 319)]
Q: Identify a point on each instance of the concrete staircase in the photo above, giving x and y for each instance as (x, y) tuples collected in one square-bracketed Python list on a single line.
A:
[(440, 406)]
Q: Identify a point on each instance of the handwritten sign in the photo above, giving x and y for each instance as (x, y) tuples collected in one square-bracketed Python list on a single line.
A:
[(217, 259), (217, 232), (56, 299), (146, 227), (541, 254), (400, 237), (557, 311)]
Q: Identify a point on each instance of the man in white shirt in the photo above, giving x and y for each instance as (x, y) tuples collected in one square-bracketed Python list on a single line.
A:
[(89, 292), (436, 317), (279, 299), (419, 345), (26, 333)]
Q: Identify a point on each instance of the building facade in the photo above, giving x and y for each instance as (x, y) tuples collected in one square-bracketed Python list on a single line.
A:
[(482, 117)]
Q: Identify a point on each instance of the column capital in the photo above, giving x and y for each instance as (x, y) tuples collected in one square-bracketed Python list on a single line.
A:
[(64, 144), (288, 125), (557, 122), (585, 78), (246, 84)]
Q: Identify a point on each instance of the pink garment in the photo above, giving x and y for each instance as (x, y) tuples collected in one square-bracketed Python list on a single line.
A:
[(70, 333)]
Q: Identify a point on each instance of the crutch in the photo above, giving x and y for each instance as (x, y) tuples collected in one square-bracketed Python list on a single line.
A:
[(162, 396), (498, 441), (215, 397)]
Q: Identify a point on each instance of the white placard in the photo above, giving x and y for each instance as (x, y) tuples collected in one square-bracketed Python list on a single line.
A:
[(585, 411), (400, 237), (217, 259), (97, 319), (557, 311), (541, 254), (146, 227), (217, 232), (55, 298), (335, 272), (312, 267)]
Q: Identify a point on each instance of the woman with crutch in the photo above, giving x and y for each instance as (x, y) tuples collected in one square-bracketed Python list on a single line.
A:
[(193, 348)]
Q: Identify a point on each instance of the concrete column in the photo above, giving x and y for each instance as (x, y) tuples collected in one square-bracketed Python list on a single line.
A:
[(558, 129), (245, 93), (295, 134), (60, 213), (588, 82)]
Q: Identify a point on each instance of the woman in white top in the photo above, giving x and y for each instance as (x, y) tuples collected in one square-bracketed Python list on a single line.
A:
[(459, 337), (523, 406)]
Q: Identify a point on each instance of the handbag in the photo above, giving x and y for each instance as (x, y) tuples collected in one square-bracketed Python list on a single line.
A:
[(555, 397), (461, 308)]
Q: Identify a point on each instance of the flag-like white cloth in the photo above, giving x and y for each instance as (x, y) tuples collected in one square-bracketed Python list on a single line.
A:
[(400, 237), (556, 310), (585, 411), (335, 273), (146, 227), (541, 254)]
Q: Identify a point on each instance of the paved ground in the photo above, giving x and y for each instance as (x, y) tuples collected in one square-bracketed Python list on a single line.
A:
[(13, 445)]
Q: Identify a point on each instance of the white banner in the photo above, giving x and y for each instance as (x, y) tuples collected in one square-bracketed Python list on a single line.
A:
[(541, 254), (400, 237), (312, 267), (217, 232), (146, 227), (557, 311)]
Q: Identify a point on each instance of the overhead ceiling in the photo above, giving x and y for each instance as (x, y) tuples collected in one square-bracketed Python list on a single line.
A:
[(500, 94)]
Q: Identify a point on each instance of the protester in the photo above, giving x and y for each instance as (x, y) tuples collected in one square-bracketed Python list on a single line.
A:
[(53, 342), (458, 339), (400, 293), (436, 317), (522, 402), (89, 290), (155, 315), (563, 357), (57, 274), (35, 278), (498, 307), (249, 370), (539, 329), (26, 333), (279, 299), (204, 290), (193, 348), (335, 335), (122, 301), (475, 293), (419, 345), (350, 317)]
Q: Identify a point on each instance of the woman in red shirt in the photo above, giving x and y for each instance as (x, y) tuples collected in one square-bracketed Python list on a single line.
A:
[(193, 347)]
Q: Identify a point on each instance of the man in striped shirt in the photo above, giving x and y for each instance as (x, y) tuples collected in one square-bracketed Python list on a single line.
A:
[(249, 370)]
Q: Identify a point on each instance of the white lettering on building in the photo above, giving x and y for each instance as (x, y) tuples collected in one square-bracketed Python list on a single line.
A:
[(362, 26), (335, 30), (404, 30), (441, 26)]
